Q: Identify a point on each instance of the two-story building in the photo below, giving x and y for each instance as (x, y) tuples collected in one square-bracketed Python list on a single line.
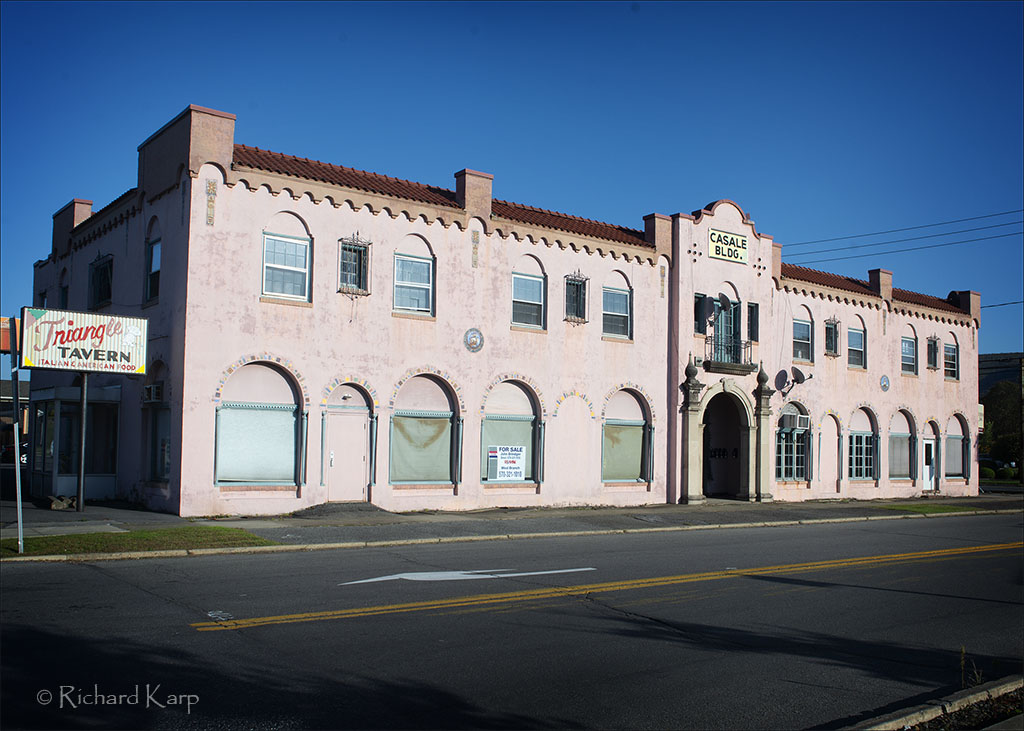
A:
[(318, 333)]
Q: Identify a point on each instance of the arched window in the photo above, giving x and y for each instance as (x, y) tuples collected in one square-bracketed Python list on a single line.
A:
[(951, 358), (151, 286), (260, 429), (857, 344), (627, 441), (793, 445), (415, 277), (803, 335), (287, 258), (511, 436), (426, 434), (902, 447), (958, 446), (617, 307), (908, 351), (863, 454), (529, 294)]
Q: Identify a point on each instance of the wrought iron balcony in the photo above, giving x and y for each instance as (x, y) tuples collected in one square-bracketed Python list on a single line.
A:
[(727, 355)]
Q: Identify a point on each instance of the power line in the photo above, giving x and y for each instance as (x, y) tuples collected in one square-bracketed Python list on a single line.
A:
[(909, 238), (908, 228), (1004, 304), (910, 248)]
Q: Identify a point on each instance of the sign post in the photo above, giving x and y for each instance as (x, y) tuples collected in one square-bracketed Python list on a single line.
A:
[(12, 336), (84, 342)]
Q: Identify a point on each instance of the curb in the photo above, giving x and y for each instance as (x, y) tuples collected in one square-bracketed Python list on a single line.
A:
[(290, 548), (933, 709)]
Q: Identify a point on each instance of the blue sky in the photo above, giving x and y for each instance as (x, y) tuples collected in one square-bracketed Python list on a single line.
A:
[(821, 119)]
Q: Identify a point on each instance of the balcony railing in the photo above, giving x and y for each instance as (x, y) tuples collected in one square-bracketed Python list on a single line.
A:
[(727, 355)]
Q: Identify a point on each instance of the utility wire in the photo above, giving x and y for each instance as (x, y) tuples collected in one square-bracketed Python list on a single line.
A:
[(908, 228), (896, 241), (910, 248), (1004, 304)]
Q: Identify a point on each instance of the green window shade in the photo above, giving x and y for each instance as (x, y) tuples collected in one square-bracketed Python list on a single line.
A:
[(256, 444), (421, 449), (622, 453), (954, 457), (899, 455), (507, 433)]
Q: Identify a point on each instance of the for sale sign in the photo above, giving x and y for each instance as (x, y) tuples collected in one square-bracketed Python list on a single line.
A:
[(82, 341), (511, 462)]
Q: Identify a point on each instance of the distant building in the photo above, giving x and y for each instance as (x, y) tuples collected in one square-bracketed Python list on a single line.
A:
[(318, 333)]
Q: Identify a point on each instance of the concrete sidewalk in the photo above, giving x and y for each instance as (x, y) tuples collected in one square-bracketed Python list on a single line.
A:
[(343, 523)]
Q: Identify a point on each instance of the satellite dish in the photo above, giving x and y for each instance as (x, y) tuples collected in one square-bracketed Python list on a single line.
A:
[(798, 375), (724, 302)]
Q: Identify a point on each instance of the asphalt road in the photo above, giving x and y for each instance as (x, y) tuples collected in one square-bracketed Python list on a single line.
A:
[(787, 627)]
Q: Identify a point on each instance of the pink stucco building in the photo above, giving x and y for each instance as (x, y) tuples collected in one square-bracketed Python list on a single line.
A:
[(318, 333)]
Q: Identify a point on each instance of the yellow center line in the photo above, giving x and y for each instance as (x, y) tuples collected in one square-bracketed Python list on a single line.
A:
[(481, 600)]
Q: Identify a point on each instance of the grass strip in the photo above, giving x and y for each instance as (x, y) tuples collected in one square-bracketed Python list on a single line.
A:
[(930, 508), (160, 539)]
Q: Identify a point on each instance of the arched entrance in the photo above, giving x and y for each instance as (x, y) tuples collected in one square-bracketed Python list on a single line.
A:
[(349, 440), (930, 450), (726, 448)]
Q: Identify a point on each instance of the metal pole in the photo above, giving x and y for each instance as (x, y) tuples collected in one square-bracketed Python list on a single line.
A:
[(13, 334), (81, 446)]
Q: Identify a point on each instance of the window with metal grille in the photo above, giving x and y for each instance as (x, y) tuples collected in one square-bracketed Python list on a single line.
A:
[(576, 298), (832, 337), (354, 266), (933, 353)]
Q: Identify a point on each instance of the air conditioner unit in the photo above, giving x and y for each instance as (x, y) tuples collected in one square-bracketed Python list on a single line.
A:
[(803, 422), (153, 393), (788, 421)]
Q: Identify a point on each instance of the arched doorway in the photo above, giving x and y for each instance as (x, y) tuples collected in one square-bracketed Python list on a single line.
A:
[(726, 448), (930, 447), (349, 441)]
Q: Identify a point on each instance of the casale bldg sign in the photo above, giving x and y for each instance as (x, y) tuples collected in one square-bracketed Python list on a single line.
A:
[(82, 341), (731, 247)]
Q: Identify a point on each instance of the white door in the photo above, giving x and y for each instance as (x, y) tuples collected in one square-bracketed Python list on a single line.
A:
[(347, 460), (929, 464)]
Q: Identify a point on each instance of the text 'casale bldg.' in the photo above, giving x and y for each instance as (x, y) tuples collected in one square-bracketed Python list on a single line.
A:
[(318, 333)]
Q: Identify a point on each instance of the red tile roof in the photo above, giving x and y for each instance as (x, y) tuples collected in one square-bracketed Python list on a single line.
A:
[(275, 162), (859, 286), (300, 167)]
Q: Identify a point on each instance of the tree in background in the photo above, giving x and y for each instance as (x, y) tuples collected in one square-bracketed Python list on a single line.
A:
[(1002, 437)]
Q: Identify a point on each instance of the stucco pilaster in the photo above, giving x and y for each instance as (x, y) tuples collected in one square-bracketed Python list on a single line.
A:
[(693, 437), (762, 417)]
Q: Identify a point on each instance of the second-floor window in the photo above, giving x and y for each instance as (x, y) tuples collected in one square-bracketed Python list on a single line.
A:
[(576, 299), (933, 354), (414, 284), (101, 282), (354, 266), (855, 356), (286, 266), (527, 300), (908, 356), (801, 340), (152, 269), (951, 360), (616, 307), (831, 337)]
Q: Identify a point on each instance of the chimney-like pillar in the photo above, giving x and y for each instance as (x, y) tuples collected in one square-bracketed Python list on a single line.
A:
[(65, 220), (967, 301), (881, 282), (777, 261), (473, 193), (658, 232)]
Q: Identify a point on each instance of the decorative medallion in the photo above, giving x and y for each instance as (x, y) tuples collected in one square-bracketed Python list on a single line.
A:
[(884, 383), (473, 340)]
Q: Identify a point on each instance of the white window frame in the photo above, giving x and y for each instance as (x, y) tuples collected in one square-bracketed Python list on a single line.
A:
[(861, 458), (863, 349), (809, 341), (628, 294), (542, 301), (429, 286), (306, 271), (904, 363), (955, 361)]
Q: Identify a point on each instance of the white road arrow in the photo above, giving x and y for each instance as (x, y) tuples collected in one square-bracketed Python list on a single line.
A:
[(461, 575)]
